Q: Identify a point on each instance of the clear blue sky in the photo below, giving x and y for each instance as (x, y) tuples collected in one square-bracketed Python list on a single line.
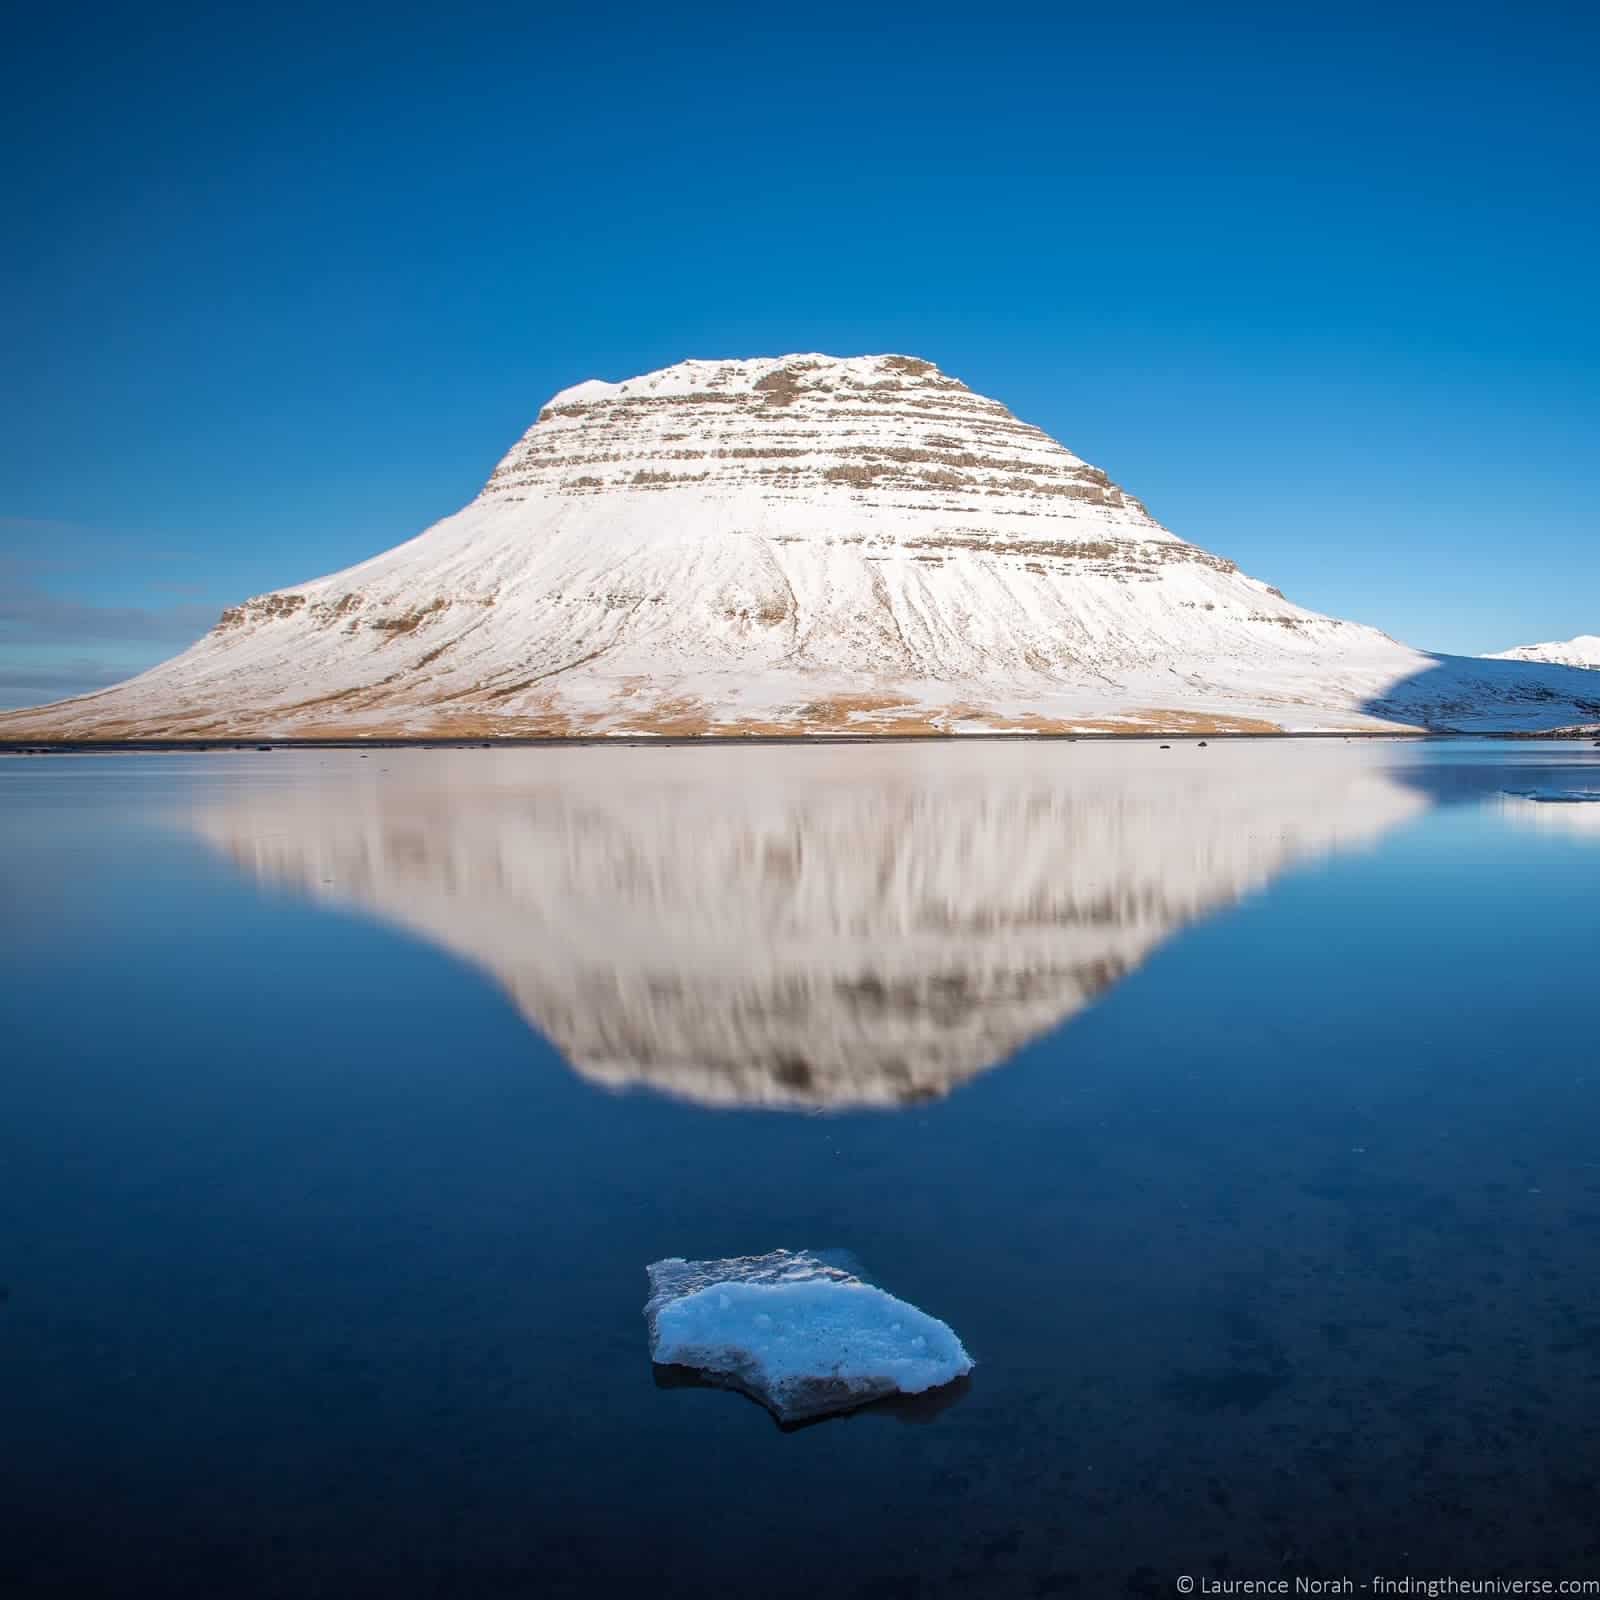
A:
[(282, 283)]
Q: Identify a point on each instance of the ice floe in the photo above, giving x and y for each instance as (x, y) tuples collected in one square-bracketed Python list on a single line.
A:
[(801, 1335)]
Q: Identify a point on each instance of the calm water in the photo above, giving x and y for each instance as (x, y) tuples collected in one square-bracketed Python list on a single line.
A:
[(1237, 1106)]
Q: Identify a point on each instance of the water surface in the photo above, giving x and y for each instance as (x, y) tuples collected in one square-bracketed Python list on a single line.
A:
[(1236, 1105)]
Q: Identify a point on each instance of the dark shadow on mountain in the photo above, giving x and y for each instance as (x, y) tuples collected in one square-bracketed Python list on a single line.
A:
[(1469, 694)]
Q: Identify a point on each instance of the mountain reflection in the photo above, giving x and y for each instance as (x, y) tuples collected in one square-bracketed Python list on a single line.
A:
[(803, 927), (1558, 811)]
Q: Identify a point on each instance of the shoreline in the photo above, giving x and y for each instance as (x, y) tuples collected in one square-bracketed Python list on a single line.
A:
[(267, 742)]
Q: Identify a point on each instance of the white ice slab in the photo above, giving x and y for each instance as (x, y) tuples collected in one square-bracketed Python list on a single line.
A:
[(803, 1337)]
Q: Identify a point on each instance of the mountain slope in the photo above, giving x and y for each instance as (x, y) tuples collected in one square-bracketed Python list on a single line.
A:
[(1584, 651), (798, 545)]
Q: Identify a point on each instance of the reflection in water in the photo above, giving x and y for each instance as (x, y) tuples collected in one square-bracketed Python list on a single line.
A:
[(1558, 810), (805, 927), (914, 1409)]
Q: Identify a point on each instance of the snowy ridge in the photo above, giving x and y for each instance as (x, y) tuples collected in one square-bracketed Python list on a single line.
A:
[(802, 927), (1584, 651), (797, 545)]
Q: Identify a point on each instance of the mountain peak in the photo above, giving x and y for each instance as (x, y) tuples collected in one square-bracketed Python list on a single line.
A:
[(783, 422), (800, 544), (764, 375), (1584, 651)]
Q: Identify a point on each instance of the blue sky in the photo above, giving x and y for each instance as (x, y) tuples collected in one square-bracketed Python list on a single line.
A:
[(280, 285)]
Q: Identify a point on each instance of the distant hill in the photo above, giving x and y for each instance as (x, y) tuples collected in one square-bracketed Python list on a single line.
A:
[(1584, 651)]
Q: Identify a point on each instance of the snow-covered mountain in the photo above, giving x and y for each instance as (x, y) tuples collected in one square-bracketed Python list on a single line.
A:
[(819, 926), (797, 545), (1584, 651)]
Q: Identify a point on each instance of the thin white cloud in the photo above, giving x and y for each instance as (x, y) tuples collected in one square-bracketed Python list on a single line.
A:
[(31, 686), (30, 615)]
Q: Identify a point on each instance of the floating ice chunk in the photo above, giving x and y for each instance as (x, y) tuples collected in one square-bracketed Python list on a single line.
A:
[(803, 1337)]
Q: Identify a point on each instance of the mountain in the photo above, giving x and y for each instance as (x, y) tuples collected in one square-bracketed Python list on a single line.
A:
[(799, 545), (1584, 651), (821, 927)]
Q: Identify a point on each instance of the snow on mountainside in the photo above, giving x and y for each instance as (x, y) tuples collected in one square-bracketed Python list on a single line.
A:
[(797, 545), (1584, 651)]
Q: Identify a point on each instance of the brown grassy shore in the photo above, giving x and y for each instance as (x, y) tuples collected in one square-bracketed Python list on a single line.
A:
[(629, 741)]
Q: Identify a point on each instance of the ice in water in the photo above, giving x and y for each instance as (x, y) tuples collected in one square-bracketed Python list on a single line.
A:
[(799, 1334)]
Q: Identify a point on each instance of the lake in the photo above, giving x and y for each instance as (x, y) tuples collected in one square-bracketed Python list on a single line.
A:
[(1236, 1104)]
